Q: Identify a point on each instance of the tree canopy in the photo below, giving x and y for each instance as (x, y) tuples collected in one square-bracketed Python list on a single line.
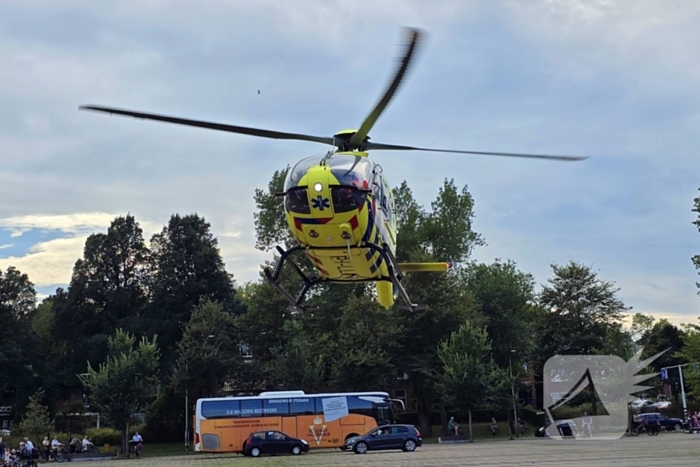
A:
[(143, 322)]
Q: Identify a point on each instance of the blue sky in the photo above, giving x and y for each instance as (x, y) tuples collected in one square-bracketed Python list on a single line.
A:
[(616, 81)]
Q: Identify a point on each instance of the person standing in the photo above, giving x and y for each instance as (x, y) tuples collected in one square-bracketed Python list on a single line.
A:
[(587, 425)]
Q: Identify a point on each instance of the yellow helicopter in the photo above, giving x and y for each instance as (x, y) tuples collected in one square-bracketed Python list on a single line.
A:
[(339, 206)]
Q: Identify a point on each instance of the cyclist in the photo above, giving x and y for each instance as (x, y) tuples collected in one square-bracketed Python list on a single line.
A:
[(138, 440), (494, 426), (55, 446), (452, 426), (86, 444)]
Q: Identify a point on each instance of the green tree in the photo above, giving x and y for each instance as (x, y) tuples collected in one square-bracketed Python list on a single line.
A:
[(368, 343), (582, 308), (470, 376), (409, 218), (690, 352), (208, 352), (17, 292), (125, 383), (583, 311), (668, 338), (641, 326), (696, 222), (270, 222), (300, 362), (36, 422), (107, 291), (186, 268), (505, 296), (18, 344), (449, 303), (446, 232)]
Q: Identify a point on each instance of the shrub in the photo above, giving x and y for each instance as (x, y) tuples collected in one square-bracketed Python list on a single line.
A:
[(100, 436)]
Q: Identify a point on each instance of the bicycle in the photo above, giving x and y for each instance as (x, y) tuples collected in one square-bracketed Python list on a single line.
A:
[(524, 430), (91, 449), (138, 447), (493, 431)]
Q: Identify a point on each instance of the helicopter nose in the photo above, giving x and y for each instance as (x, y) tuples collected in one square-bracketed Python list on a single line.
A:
[(319, 193)]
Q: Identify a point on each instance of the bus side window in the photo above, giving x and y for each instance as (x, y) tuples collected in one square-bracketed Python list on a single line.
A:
[(217, 409), (360, 406), (275, 407), (302, 406), (251, 408)]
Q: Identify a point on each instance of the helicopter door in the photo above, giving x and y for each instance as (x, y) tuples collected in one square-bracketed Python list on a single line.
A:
[(388, 210)]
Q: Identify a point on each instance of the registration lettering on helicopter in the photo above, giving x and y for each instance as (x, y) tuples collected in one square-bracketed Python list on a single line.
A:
[(345, 267)]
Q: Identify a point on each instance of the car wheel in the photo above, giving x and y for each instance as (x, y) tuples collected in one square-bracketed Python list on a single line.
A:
[(296, 449), (361, 448), (255, 452), (409, 446), (677, 427)]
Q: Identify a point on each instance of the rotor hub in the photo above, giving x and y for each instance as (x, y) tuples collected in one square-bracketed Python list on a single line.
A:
[(342, 140)]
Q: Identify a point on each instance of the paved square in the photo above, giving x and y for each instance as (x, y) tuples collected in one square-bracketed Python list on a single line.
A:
[(666, 449)]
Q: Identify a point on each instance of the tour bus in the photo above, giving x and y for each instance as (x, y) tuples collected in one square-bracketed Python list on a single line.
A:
[(222, 424)]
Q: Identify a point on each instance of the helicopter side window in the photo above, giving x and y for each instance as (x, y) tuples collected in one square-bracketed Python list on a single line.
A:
[(346, 199), (378, 191), (387, 202), (296, 201)]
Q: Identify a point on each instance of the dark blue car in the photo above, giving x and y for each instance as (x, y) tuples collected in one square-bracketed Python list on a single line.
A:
[(273, 442), (405, 437)]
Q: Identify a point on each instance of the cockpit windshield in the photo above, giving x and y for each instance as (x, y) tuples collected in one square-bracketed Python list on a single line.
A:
[(348, 169), (298, 171), (352, 170)]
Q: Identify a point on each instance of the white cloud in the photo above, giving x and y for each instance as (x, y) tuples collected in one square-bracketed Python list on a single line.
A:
[(48, 263), (8, 245), (68, 223), (51, 263)]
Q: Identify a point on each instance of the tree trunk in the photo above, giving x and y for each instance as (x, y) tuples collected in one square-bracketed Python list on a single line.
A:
[(443, 417), (510, 424), (471, 435), (426, 428), (125, 441)]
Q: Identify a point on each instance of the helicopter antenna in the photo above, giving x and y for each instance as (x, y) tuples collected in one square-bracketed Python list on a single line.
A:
[(326, 158)]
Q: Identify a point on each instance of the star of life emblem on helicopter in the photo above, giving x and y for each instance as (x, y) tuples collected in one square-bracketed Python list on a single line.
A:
[(320, 203)]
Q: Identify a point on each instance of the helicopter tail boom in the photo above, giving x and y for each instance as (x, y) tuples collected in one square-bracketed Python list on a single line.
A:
[(424, 267)]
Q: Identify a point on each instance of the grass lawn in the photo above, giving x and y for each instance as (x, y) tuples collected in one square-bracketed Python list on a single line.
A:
[(480, 431)]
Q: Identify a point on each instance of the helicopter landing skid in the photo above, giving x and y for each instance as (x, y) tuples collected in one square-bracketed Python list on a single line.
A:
[(395, 277), (273, 277)]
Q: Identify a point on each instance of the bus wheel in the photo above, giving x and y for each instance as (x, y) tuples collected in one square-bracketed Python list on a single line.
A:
[(255, 452), (361, 448)]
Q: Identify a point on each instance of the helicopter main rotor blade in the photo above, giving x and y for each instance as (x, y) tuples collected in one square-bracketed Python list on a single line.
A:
[(360, 135), (378, 146), (213, 126)]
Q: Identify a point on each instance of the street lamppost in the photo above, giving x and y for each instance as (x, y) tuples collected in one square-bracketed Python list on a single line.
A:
[(187, 423), (512, 391)]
